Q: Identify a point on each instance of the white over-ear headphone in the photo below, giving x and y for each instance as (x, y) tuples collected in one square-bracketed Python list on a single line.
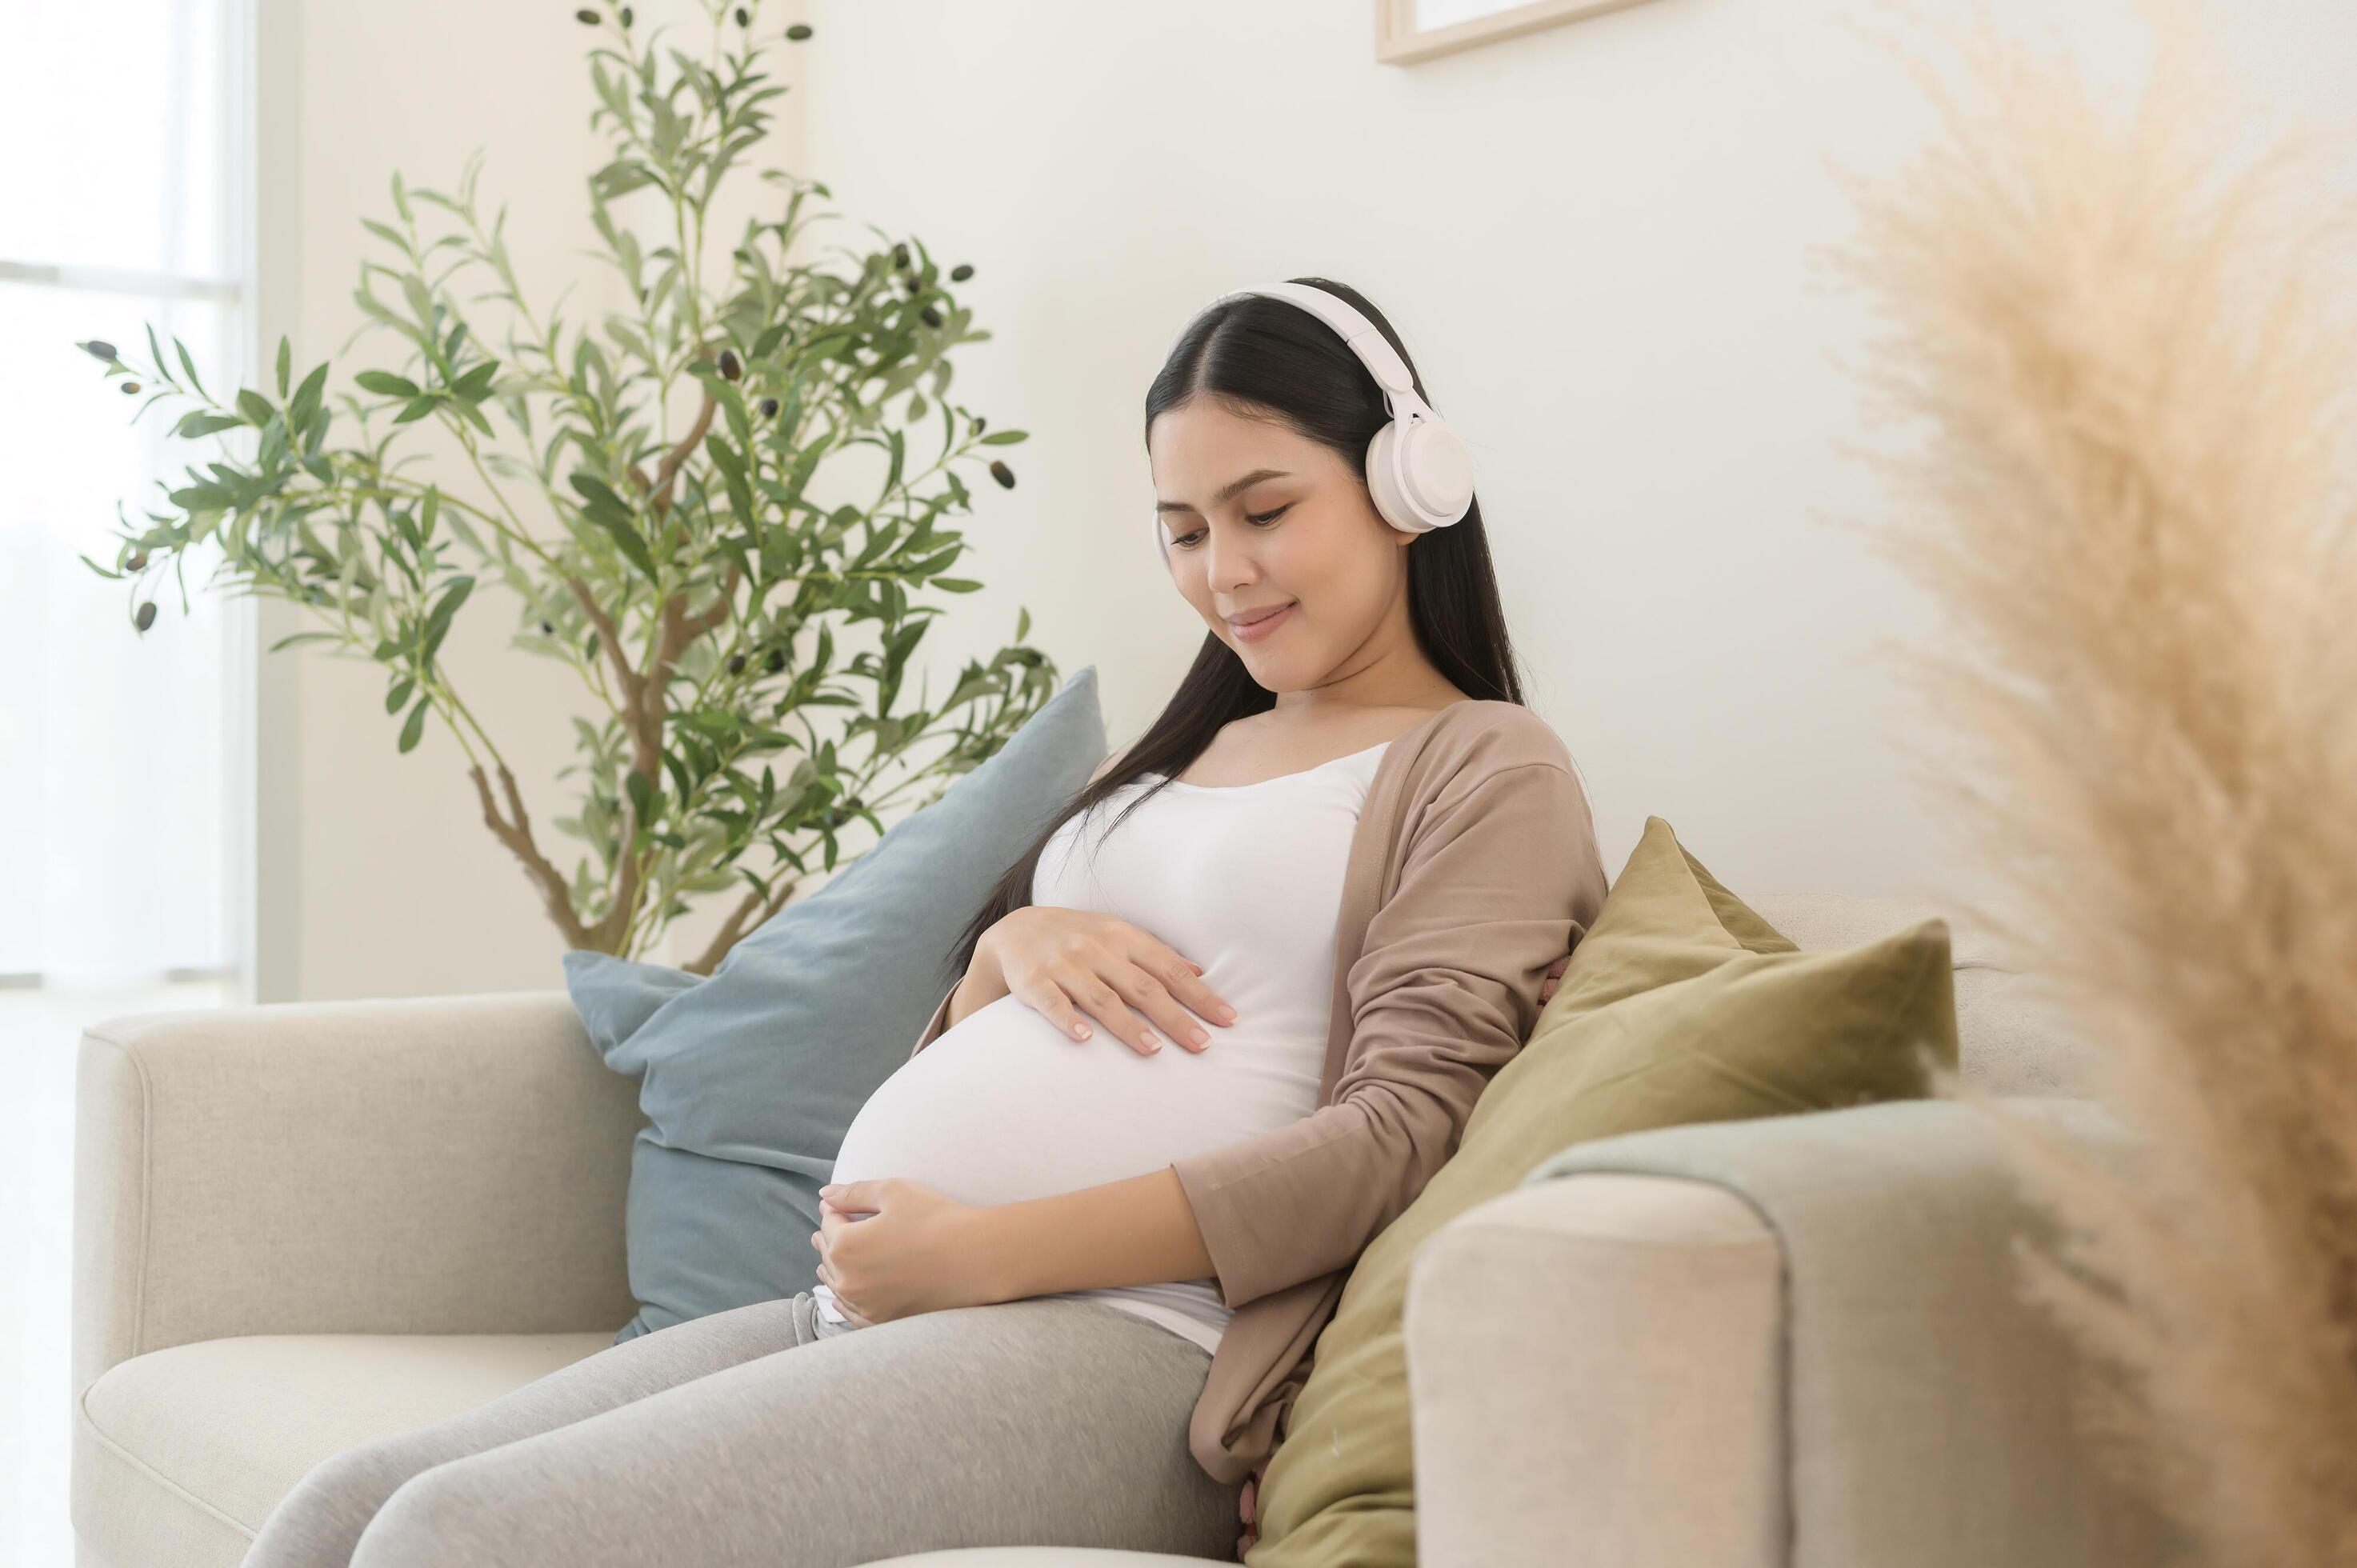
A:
[(1418, 472)]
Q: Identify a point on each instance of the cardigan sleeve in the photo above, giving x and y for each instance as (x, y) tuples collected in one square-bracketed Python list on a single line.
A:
[(1501, 878)]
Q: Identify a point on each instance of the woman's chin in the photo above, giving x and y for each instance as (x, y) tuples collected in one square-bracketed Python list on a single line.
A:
[(1277, 668), (1273, 675)]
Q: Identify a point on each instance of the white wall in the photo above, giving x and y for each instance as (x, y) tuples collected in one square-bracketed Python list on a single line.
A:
[(1599, 242)]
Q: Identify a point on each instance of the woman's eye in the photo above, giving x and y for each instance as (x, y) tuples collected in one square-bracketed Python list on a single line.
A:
[(1186, 541)]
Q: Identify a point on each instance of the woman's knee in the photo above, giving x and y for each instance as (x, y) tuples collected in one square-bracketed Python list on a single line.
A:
[(323, 1514), (446, 1514)]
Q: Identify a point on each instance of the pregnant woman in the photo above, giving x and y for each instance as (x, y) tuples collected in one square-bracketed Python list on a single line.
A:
[(1071, 1280)]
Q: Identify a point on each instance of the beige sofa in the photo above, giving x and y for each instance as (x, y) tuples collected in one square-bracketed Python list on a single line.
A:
[(1794, 1341)]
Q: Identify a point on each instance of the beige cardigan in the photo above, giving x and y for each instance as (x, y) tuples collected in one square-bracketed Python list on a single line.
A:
[(1473, 868)]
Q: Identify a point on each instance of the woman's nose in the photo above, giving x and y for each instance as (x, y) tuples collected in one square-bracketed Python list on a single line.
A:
[(1230, 566)]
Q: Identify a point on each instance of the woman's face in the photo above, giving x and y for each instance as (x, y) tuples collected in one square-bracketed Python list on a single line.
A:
[(1255, 517)]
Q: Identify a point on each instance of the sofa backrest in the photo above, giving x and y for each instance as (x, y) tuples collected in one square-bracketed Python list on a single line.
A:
[(2015, 1038)]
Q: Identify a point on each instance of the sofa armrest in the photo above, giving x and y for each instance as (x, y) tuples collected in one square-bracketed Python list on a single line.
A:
[(1796, 1340), (1592, 1378), (446, 1166)]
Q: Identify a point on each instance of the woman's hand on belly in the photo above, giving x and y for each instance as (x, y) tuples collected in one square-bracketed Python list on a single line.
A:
[(891, 1248), (1064, 962)]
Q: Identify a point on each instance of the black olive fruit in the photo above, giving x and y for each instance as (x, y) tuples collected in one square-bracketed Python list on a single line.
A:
[(138, 562), (769, 407), (546, 629), (101, 347), (744, 18), (626, 15), (736, 664), (1002, 473), (900, 256), (799, 32), (961, 272), (731, 368), (146, 615), (586, 16), (978, 423), (130, 387), (777, 661), (931, 317)]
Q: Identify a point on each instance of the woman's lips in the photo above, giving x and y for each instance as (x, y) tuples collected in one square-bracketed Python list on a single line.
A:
[(1252, 631)]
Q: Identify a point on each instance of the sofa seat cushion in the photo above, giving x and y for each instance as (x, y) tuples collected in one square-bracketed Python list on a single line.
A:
[(186, 1450)]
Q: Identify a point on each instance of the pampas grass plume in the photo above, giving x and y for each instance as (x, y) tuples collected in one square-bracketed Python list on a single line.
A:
[(2132, 493)]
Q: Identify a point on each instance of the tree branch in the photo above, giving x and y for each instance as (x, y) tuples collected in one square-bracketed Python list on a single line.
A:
[(610, 639), (517, 837), (667, 471), (715, 613), (733, 929), (646, 694)]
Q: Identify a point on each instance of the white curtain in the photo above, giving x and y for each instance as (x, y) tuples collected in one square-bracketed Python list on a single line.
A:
[(117, 821)]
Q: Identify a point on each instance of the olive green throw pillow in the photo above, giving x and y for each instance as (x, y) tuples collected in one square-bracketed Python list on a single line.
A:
[(1680, 1004)]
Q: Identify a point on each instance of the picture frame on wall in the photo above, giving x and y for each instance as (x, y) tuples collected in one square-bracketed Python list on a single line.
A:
[(1407, 31)]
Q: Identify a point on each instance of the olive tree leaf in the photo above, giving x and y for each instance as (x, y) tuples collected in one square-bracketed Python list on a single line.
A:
[(415, 726), (438, 620)]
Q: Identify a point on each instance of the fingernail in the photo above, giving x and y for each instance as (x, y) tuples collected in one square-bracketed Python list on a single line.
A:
[(1227, 1014), (1081, 1031), (1197, 1036), (1147, 1040)]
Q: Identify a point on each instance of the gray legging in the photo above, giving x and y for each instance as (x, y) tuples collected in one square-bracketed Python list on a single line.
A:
[(1044, 1422)]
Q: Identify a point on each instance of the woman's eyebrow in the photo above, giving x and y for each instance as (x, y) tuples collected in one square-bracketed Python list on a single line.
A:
[(1232, 488)]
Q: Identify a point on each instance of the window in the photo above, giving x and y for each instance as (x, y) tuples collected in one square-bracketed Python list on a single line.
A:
[(127, 199), (123, 789)]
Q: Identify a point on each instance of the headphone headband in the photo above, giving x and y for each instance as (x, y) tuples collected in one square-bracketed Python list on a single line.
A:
[(1363, 336)]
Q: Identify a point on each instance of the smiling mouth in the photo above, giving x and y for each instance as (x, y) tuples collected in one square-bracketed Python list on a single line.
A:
[(1240, 621)]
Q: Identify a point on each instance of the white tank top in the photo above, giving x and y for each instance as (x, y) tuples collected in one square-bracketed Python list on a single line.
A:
[(1003, 1106)]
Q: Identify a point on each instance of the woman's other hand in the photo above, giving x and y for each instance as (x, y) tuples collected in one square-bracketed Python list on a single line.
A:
[(1068, 963), (891, 1248), (1553, 978)]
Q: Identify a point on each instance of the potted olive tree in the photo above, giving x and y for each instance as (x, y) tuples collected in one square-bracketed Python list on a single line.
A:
[(684, 574)]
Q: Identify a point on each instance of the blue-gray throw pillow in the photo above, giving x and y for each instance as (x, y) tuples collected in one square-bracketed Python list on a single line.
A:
[(749, 1077)]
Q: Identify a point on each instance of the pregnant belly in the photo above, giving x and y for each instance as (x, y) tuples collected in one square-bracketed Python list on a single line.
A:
[(1004, 1106)]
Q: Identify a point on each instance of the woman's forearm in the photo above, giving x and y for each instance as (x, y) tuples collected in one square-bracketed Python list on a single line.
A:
[(1138, 1231), (979, 987)]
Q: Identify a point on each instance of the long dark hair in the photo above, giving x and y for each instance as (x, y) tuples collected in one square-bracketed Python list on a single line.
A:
[(1269, 358)]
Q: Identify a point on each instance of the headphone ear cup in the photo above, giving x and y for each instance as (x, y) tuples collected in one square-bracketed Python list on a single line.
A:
[(1439, 470), (1390, 505)]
